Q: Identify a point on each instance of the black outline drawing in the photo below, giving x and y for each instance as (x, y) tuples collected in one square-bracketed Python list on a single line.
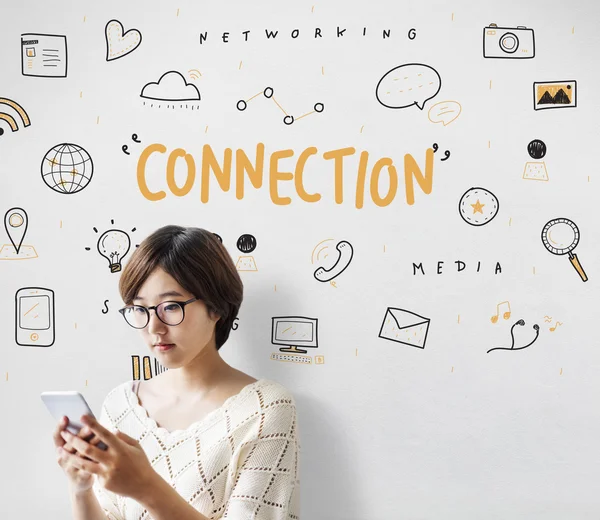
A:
[(342, 262), (173, 100), (59, 148), (51, 317), (536, 170), (446, 153), (120, 38), (413, 102), (537, 149), (291, 346), (546, 105), (24, 42), (536, 327), (288, 119), (508, 54), (114, 257), (24, 116), (145, 370), (462, 202), (134, 138), (416, 323), (10, 228), (546, 240), (246, 243)]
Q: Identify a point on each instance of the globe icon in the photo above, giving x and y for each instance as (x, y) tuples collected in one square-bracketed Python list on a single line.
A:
[(67, 168)]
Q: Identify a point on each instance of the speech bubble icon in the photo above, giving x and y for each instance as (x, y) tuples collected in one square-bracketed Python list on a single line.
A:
[(408, 85), (444, 112)]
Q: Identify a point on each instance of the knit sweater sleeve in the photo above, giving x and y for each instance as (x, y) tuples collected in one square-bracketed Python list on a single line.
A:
[(266, 484), (108, 501)]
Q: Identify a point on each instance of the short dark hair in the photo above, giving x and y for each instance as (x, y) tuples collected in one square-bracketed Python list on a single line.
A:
[(198, 261)]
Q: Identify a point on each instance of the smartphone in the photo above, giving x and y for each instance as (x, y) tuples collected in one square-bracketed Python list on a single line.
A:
[(72, 404), (34, 325)]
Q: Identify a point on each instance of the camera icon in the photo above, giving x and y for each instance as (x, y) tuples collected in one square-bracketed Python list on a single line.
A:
[(508, 42)]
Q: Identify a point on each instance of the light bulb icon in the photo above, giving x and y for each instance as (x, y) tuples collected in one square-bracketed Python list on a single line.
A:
[(113, 245)]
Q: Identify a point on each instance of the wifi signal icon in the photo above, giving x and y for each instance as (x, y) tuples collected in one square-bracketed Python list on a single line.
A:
[(10, 119), (194, 74)]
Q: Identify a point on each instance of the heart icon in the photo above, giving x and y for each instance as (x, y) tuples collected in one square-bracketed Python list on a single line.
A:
[(118, 43)]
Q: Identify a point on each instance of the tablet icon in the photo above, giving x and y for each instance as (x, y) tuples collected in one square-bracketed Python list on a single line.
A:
[(344, 252)]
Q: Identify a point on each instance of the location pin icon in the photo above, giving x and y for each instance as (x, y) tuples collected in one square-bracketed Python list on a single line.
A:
[(15, 223)]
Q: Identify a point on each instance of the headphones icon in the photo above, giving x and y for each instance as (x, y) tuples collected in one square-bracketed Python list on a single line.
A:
[(536, 327)]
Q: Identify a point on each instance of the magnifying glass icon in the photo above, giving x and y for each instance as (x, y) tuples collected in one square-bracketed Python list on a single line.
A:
[(560, 236)]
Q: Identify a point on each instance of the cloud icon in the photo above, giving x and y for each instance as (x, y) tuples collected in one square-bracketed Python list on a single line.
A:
[(408, 85), (171, 87)]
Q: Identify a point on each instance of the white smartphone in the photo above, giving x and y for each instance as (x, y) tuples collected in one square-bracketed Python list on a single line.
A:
[(72, 404)]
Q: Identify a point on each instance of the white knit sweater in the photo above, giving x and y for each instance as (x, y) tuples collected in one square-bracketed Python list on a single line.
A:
[(240, 462)]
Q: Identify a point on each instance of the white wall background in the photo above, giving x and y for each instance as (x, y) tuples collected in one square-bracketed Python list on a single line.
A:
[(387, 430)]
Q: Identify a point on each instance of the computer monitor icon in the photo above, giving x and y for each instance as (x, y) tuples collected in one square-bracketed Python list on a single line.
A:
[(294, 332)]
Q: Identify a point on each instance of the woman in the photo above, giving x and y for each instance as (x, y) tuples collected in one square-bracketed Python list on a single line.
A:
[(202, 439)]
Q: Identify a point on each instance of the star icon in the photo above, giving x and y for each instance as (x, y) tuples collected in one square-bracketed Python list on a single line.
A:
[(478, 207)]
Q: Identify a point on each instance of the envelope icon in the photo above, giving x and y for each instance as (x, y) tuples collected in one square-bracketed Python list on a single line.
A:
[(404, 327)]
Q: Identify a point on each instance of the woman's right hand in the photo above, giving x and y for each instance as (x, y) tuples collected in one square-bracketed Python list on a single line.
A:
[(79, 479)]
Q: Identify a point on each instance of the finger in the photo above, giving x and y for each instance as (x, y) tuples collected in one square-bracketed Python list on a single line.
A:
[(74, 461), (129, 440), (58, 441), (100, 431), (85, 449), (82, 433)]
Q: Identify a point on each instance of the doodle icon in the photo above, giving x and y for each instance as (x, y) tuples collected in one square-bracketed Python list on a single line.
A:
[(521, 323), (560, 236), (505, 315), (288, 119), (558, 324), (23, 116), (118, 42), (67, 168), (407, 85), (508, 42), (296, 333), (34, 317), (554, 94), (44, 55), (246, 244), (444, 112), (171, 89), (15, 223), (404, 327), (344, 253), (536, 170), (478, 206), (113, 245), (446, 153)]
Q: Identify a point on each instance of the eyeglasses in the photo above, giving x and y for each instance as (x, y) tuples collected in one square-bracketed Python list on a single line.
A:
[(170, 313)]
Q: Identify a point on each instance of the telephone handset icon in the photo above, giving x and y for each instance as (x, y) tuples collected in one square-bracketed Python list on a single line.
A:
[(345, 254)]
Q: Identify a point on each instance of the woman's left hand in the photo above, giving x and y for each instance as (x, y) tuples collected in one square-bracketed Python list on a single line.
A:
[(123, 468)]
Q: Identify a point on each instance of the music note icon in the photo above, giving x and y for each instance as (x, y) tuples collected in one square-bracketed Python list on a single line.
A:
[(506, 315), (552, 329)]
